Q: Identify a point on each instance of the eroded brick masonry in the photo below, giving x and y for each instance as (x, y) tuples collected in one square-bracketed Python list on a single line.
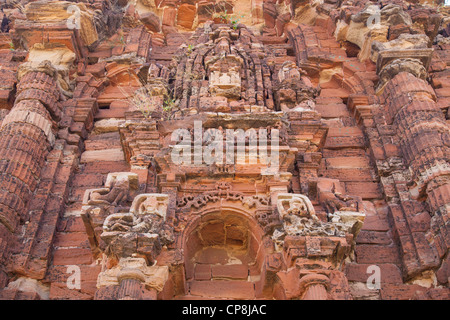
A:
[(94, 92)]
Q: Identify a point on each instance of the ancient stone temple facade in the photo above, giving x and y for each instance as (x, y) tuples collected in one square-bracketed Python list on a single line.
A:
[(225, 149)]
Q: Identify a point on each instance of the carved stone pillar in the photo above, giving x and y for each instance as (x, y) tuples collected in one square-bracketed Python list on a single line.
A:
[(313, 250), (421, 171), (315, 287), (131, 240), (26, 137), (131, 279), (129, 289)]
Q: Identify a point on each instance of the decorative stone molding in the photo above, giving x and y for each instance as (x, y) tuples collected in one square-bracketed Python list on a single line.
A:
[(223, 191), (387, 56), (409, 44)]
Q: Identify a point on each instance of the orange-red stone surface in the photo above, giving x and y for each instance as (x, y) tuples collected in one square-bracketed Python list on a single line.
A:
[(92, 93)]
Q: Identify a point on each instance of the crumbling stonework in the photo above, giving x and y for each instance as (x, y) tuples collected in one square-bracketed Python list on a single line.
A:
[(181, 150)]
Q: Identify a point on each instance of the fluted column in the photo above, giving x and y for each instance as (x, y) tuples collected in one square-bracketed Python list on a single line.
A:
[(131, 279), (23, 148), (424, 143), (315, 287), (130, 289), (26, 137), (315, 292)]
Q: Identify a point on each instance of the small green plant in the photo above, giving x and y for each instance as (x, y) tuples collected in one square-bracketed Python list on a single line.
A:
[(235, 22), (190, 48), (219, 11), (225, 17), (8, 41), (168, 106)]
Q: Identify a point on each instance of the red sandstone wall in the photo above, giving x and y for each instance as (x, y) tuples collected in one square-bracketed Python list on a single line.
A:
[(90, 146)]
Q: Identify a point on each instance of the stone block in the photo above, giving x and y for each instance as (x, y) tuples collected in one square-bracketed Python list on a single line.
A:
[(223, 289), (235, 271), (186, 15), (73, 256)]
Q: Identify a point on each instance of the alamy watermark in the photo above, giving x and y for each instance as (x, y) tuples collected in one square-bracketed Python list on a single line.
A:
[(232, 146), (374, 280), (74, 21), (374, 20), (74, 280)]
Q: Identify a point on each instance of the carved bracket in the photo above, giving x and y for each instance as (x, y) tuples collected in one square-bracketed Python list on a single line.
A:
[(299, 220), (140, 232)]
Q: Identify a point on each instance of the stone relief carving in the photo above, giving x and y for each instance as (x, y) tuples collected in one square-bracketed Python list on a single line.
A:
[(295, 205), (331, 197), (117, 190), (140, 231), (223, 191), (294, 92), (299, 219), (225, 77), (268, 220)]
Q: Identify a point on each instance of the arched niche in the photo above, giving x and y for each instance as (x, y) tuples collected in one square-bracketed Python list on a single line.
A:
[(223, 247)]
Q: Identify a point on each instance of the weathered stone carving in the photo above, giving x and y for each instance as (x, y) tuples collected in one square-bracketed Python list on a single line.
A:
[(389, 71), (299, 219), (117, 189), (295, 204), (268, 221), (226, 80), (404, 41), (223, 191), (294, 92), (150, 204), (142, 231), (224, 76), (330, 195)]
